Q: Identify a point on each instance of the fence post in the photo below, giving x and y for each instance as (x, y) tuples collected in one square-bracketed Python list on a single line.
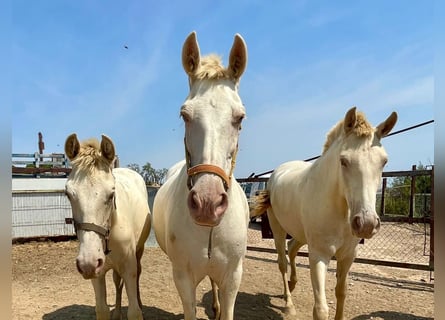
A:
[(382, 200), (432, 222), (37, 163), (411, 197)]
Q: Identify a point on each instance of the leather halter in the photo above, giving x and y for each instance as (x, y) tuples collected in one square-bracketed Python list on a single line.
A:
[(208, 168), (104, 232)]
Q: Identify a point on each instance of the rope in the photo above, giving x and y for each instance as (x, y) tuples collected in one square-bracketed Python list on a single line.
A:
[(388, 135)]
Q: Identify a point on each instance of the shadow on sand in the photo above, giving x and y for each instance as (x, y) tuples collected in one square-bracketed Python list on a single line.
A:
[(247, 306), (390, 315)]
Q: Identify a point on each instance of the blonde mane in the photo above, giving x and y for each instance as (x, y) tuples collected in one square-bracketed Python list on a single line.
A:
[(211, 68), (90, 156), (362, 128)]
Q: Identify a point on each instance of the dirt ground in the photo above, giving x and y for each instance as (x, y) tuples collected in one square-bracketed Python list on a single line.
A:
[(46, 285)]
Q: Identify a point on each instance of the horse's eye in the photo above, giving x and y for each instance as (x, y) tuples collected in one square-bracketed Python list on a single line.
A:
[(110, 197), (185, 116), (237, 122), (344, 163)]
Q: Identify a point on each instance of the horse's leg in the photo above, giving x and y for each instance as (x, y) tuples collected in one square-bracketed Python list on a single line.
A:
[(293, 247), (187, 292), (118, 284), (139, 253), (130, 276), (100, 293), (343, 266), (229, 286), (318, 267), (279, 236), (216, 305)]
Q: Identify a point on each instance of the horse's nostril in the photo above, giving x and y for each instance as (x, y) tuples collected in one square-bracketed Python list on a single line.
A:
[(377, 227), (78, 266), (357, 223), (193, 200), (100, 262), (224, 202)]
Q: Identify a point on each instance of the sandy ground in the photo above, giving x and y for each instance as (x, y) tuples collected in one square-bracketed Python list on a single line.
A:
[(46, 285)]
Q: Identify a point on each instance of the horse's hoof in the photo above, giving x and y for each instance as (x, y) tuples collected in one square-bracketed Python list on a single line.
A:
[(290, 311), (291, 285)]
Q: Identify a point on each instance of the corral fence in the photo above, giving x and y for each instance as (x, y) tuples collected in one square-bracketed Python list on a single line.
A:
[(406, 237), (38, 165)]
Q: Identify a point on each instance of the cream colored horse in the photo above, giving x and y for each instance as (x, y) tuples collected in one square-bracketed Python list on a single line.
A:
[(329, 205), (200, 214), (112, 221)]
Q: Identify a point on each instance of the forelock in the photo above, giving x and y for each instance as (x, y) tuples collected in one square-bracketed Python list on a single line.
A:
[(362, 128)]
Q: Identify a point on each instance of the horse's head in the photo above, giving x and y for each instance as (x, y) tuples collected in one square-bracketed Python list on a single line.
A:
[(360, 159), (90, 190), (212, 113)]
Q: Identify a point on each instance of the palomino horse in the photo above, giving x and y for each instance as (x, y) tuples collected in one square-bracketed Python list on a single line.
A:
[(328, 205), (200, 214), (112, 221)]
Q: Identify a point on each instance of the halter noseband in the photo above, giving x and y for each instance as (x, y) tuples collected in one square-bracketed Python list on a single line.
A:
[(208, 168), (104, 232)]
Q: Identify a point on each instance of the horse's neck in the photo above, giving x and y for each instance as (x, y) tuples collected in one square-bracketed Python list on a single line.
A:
[(327, 171)]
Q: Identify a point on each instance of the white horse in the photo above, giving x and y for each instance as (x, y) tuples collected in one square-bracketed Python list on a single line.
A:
[(112, 221), (200, 214), (328, 205)]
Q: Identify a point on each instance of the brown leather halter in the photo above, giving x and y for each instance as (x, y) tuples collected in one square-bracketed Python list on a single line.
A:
[(208, 168)]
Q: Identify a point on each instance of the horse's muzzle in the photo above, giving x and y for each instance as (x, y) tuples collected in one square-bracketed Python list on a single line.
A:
[(365, 224), (207, 210)]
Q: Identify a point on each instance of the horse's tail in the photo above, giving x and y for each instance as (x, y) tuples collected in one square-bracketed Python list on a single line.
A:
[(260, 203)]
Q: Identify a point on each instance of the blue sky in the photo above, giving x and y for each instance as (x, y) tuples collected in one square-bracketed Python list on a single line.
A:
[(309, 62)]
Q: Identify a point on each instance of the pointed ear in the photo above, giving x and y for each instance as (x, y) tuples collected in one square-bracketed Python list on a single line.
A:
[(350, 120), (107, 149), (72, 146), (386, 126), (190, 54), (238, 57)]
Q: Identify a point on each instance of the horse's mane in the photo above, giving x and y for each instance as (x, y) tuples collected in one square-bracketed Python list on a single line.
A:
[(362, 128), (211, 68), (90, 156)]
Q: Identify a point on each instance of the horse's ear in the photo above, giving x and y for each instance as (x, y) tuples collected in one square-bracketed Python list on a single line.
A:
[(350, 119), (238, 57), (190, 54), (107, 149), (386, 126), (72, 146)]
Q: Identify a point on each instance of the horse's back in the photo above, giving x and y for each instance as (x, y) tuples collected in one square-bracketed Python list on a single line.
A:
[(286, 191), (174, 169), (167, 198), (287, 173), (132, 203)]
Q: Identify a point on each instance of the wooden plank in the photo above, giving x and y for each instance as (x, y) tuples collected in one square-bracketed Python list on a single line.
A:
[(40, 170)]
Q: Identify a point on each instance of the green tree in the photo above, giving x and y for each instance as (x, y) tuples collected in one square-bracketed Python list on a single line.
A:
[(135, 167), (397, 196), (151, 175)]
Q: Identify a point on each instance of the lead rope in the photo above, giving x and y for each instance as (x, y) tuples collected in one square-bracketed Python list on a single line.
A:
[(209, 248)]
